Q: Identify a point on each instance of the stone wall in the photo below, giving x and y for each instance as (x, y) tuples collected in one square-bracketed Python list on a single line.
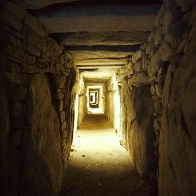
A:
[(82, 103), (137, 121), (112, 103), (36, 106), (165, 66)]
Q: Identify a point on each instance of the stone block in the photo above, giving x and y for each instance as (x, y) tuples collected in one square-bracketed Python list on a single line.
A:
[(60, 94), (65, 134), (29, 59), (155, 64), (62, 81), (59, 105), (59, 68), (64, 125), (166, 52), (123, 72), (33, 50), (182, 46), (62, 59), (158, 36), (155, 114), (35, 39), (152, 89), (140, 133), (158, 107), (150, 49), (51, 69), (55, 47), (159, 89), (159, 16), (62, 117), (45, 57), (139, 79), (43, 140), (174, 35), (34, 24), (64, 144), (68, 70), (157, 125), (17, 115), (137, 56), (145, 62), (137, 67)]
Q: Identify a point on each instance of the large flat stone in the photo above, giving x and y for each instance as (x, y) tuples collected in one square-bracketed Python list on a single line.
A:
[(139, 134), (104, 38), (99, 18), (42, 142)]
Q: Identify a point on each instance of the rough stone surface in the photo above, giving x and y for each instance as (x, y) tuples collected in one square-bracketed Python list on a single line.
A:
[(140, 130), (33, 77), (33, 23), (166, 51), (177, 153), (178, 125), (139, 79), (42, 142), (159, 89), (158, 107), (137, 56), (169, 56), (155, 64), (137, 67)]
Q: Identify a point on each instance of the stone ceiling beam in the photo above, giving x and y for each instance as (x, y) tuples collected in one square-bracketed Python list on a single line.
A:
[(117, 48), (102, 66), (93, 52), (106, 38), (37, 4), (99, 18), (101, 54)]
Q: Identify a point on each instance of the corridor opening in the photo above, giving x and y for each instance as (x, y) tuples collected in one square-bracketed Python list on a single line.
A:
[(95, 99), (98, 93), (98, 163)]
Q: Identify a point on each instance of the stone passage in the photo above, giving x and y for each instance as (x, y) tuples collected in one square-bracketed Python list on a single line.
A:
[(99, 165), (134, 60)]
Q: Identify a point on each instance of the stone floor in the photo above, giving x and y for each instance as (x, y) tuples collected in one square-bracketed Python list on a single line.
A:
[(98, 165)]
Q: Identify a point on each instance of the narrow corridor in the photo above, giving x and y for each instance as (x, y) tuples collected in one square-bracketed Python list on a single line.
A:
[(98, 165), (97, 97)]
